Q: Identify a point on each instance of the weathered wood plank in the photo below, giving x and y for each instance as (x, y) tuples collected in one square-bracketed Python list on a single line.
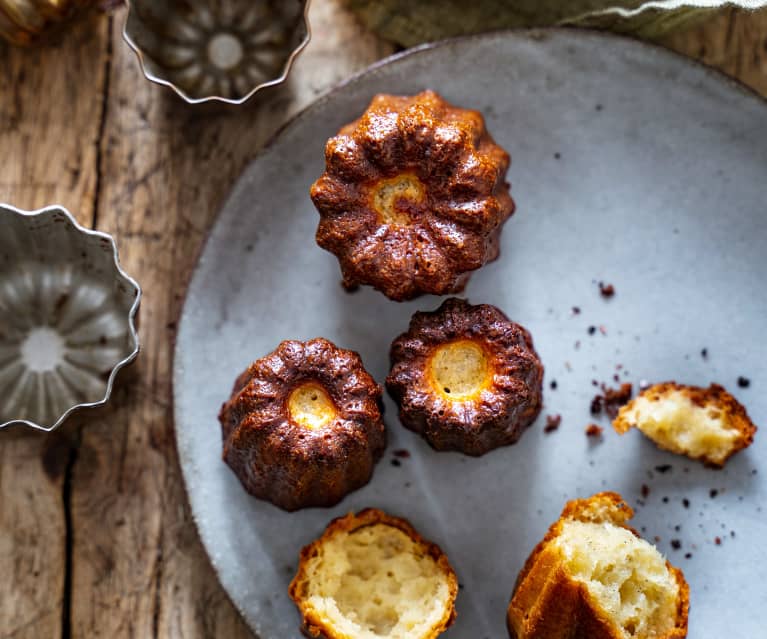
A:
[(50, 106), (50, 110), (139, 568), (734, 42)]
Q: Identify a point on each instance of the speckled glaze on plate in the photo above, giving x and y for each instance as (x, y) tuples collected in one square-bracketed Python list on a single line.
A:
[(629, 165)]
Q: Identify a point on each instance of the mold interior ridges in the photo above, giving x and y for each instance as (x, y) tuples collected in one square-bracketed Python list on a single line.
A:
[(62, 352)]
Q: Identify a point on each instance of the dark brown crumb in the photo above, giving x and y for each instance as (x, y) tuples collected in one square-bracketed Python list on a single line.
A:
[(686, 502), (676, 544), (553, 384), (61, 302), (401, 452), (665, 500), (663, 468), (616, 378), (592, 330), (614, 398), (657, 539), (576, 310), (713, 493), (596, 405), (744, 382), (552, 423), (396, 462), (718, 541), (592, 430), (732, 533), (645, 490), (688, 555), (606, 290), (704, 353), (557, 155)]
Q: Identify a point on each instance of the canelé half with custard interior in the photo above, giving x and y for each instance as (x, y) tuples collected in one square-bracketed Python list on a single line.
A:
[(413, 196), (593, 577), (372, 576), (707, 424), (466, 377), (303, 426)]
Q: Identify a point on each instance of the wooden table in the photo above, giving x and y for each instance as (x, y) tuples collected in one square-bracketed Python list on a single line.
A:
[(96, 538)]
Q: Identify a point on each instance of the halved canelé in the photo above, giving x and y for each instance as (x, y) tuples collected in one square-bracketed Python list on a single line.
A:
[(372, 576), (707, 424), (413, 196), (303, 426), (466, 377), (593, 577)]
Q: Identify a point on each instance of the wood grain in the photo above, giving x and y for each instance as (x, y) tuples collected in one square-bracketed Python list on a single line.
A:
[(735, 42), (50, 117), (96, 538)]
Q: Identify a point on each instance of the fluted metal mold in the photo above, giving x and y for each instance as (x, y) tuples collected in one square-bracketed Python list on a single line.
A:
[(67, 317), (220, 50)]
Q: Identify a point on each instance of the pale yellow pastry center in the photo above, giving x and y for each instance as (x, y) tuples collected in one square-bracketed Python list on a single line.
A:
[(626, 577), (392, 197), (310, 406), (677, 424), (377, 583), (459, 370)]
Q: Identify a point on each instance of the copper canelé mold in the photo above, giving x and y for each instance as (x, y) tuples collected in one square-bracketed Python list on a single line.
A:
[(217, 50), (67, 317)]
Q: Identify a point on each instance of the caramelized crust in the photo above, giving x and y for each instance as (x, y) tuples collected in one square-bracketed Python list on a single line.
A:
[(315, 578), (507, 395), (296, 461), (707, 424), (549, 603), (413, 196)]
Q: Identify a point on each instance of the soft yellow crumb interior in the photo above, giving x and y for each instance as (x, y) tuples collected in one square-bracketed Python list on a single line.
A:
[(310, 406), (677, 424), (459, 370), (627, 577), (374, 583), (388, 196)]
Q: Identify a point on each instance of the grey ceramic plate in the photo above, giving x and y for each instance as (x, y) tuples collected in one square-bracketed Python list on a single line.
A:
[(630, 165)]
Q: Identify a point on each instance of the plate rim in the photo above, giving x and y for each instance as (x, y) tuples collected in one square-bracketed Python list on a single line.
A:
[(528, 33)]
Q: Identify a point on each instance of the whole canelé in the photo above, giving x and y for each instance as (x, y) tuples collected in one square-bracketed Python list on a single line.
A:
[(466, 377), (303, 426), (413, 196)]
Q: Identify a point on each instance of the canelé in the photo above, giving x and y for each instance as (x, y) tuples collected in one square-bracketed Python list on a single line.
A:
[(303, 426), (593, 577), (466, 377), (413, 196), (372, 576)]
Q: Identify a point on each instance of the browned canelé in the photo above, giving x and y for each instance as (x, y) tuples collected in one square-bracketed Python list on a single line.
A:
[(413, 196), (303, 426), (466, 377)]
